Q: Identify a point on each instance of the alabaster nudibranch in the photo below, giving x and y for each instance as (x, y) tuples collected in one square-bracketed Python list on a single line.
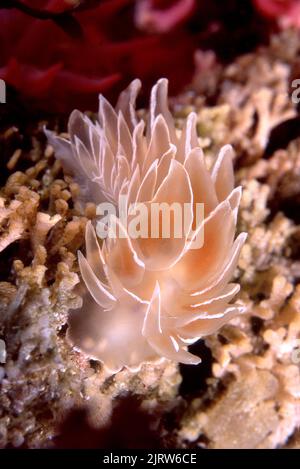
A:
[(148, 298)]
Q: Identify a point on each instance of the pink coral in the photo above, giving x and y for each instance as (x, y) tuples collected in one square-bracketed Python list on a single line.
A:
[(150, 17), (286, 12)]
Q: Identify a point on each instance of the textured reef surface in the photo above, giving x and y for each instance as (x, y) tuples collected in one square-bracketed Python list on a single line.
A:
[(245, 393)]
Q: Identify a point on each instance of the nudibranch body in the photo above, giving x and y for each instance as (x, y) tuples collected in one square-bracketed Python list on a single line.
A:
[(150, 297)]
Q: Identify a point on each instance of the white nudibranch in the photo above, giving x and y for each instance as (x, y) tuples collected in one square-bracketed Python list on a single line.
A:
[(149, 298)]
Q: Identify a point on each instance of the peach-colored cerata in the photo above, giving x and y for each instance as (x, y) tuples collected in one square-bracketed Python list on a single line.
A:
[(148, 298)]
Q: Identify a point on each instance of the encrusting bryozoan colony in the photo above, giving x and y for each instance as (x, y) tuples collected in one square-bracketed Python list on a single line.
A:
[(149, 298)]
